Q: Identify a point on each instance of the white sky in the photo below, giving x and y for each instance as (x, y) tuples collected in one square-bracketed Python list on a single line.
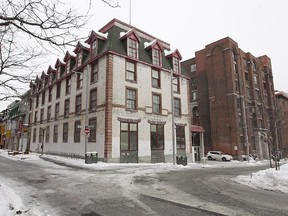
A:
[(258, 26), (268, 179)]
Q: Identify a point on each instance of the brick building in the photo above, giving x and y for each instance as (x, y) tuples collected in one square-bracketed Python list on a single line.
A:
[(117, 82), (233, 94), (282, 121)]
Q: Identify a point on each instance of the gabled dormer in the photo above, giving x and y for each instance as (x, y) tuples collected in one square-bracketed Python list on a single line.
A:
[(82, 53), (94, 39), (132, 41), (38, 82), (32, 87), (70, 61), (174, 58), (60, 68), (51, 72), (44, 78), (156, 50)]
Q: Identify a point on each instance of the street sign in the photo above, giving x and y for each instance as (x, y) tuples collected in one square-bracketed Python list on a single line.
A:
[(87, 130)]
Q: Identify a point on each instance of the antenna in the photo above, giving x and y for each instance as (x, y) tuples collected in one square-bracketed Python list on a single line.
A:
[(130, 13)]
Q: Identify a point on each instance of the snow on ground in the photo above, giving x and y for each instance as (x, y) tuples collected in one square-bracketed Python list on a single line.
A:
[(269, 179)]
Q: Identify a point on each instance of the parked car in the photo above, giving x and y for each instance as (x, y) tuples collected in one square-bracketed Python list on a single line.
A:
[(218, 155)]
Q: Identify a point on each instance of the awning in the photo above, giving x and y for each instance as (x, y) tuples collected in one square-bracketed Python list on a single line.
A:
[(197, 128)]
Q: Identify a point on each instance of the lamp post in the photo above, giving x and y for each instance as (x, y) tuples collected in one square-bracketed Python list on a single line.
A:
[(173, 123), (86, 111)]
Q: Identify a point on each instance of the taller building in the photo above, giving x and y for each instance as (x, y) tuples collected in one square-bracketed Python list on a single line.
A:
[(233, 94), (282, 121), (120, 83)]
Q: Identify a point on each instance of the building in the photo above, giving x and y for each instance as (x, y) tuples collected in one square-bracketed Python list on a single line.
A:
[(282, 121), (233, 94), (118, 84)]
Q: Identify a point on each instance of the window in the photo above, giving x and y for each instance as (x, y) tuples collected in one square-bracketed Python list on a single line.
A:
[(34, 135), (128, 136), (177, 107), (193, 80), (155, 78), (43, 97), (193, 68), (180, 137), (156, 57), (41, 135), (41, 115), (194, 95), (48, 113), (79, 83), (58, 91), (35, 116), (131, 99), (57, 108), (157, 137), (47, 136), (254, 65), (132, 48), (37, 101), (68, 66), (68, 85), (92, 125), (130, 71), (93, 100), (156, 103), (94, 49), (79, 59), (94, 73), (176, 85), (50, 95), (66, 108), (77, 130), (176, 67), (246, 76), (55, 134), (255, 79), (65, 132), (78, 104)]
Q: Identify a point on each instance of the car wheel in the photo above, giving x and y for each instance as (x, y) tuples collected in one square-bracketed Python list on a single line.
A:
[(209, 158), (224, 159)]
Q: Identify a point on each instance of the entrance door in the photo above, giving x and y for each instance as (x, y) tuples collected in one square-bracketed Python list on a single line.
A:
[(197, 153)]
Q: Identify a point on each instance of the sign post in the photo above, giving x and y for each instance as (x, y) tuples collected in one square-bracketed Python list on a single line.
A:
[(87, 131)]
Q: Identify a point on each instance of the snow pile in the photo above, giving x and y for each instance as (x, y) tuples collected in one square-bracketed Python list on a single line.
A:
[(269, 179), (11, 203)]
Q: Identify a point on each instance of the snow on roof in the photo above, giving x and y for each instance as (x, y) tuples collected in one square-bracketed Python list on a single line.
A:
[(148, 44), (102, 34), (123, 34), (166, 52)]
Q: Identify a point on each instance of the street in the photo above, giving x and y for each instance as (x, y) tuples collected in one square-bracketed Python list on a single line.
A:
[(52, 189)]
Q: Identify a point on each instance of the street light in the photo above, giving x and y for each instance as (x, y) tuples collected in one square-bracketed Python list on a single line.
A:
[(86, 111), (173, 123)]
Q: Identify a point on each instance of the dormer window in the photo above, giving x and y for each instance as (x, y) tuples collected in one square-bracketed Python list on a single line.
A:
[(68, 66), (79, 59), (156, 57), (132, 48), (176, 67), (94, 46)]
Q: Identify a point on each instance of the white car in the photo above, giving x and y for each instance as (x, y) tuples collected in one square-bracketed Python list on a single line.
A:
[(218, 155)]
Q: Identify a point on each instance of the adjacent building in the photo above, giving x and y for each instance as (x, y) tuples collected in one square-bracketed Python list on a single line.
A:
[(282, 121), (232, 98), (123, 84)]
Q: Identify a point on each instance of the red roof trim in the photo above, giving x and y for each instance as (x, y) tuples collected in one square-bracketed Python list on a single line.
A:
[(197, 128)]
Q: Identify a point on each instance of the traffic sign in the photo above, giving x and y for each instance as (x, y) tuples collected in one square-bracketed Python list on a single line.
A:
[(87, 130)]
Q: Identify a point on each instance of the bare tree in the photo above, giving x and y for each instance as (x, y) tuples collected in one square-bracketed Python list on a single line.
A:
[(26, 28)]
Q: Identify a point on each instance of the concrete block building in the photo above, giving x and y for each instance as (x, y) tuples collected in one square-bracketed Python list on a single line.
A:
[(122, 83), (233, 94)]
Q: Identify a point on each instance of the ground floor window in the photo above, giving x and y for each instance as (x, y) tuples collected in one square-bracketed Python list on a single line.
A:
[(180, 137), (157, 137), (128, 136)]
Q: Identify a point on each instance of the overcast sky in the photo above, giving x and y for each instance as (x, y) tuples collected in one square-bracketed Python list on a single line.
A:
[(258, 26)]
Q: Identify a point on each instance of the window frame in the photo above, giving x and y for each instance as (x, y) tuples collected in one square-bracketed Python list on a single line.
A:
[(129, 139), (57, 111), (156, 57), (94, 74), (78, 104), (55, 134), (128, 72), (159, 105), (127, 100), (49, 113), (156, 79), (180, 137), (92, 135), (93, 103), (68, 85), (66, 107), (132, 47), (77, 131), (79, 80), (160, 146), (177, 114), (65, 132)]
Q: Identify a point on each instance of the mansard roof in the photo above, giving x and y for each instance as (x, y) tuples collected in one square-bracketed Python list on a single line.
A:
[(80, 46), (93, 35), (68, 55)]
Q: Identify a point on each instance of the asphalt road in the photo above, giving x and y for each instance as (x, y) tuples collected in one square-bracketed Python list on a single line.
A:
[(62, 190)]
